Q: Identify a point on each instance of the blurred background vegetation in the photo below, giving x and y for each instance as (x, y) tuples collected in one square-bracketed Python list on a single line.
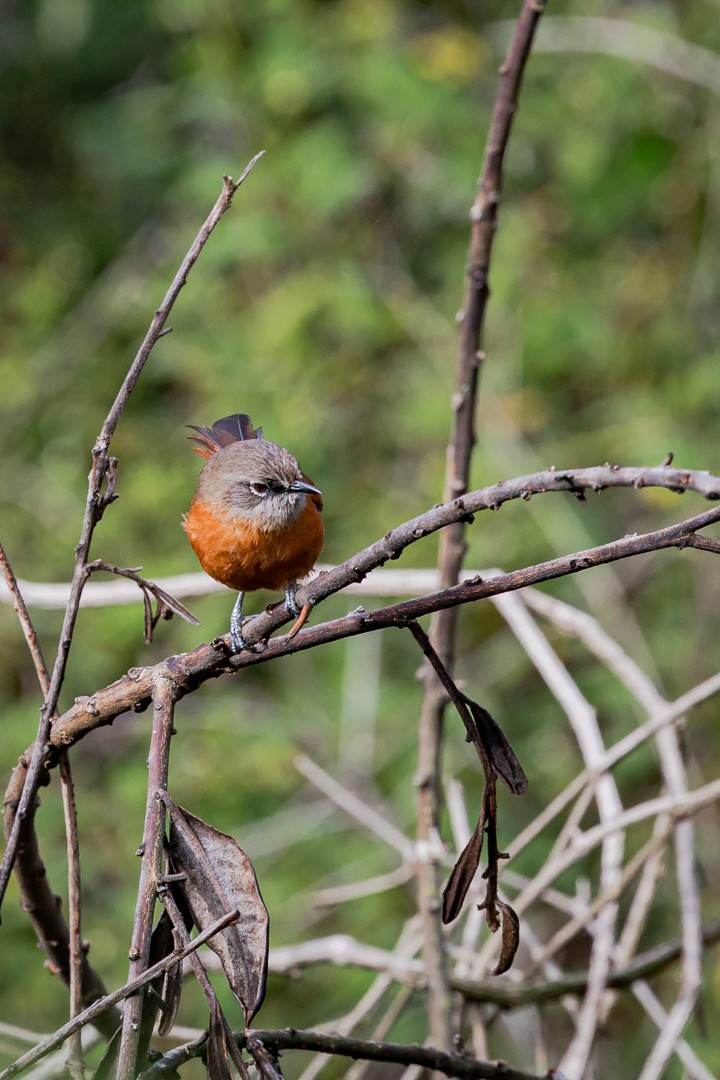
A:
[(325, 307)]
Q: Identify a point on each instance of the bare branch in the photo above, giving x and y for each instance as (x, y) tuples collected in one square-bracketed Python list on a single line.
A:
[(389, 582), (458, 1065), (90, 1016), (366, 815), (344, 951), (43, 906), (152, 854), (75, 1058), (134, 690), (483, 218), (30, 857), (15, 596), (101, 492)]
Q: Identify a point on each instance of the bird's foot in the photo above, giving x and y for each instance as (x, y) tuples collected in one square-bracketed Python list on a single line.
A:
[(291, 605), (237, 641), (293, 608)]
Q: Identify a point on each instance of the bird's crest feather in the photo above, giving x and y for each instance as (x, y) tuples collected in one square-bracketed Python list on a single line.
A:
[(224, 432)]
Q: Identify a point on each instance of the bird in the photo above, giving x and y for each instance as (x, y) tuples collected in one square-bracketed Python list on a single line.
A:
[(255, 521)]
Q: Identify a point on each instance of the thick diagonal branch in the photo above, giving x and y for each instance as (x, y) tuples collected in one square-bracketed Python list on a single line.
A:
[(133, 691)]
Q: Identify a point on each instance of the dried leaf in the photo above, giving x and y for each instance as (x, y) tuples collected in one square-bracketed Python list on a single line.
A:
[(149, 618), (174, 604), (219, 877), (222, 1048), (499, 751), (106, 1066), (171, 993), (463, 872), (173, 979), (162, 944), (218, 1058), (510, 938)]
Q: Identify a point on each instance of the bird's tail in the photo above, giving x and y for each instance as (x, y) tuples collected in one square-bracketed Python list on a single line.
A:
[(230, 429)]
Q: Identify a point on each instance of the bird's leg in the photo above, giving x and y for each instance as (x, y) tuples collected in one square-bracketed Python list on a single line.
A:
[(292, 608), (290, 602), (236, 637)]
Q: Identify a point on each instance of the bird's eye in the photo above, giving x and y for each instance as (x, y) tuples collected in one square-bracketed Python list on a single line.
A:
[(259, 488)]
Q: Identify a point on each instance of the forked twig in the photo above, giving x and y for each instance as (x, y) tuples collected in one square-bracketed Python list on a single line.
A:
[(167, 605)]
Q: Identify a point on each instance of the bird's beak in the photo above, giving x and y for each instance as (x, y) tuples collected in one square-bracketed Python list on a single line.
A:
[(302, 485)]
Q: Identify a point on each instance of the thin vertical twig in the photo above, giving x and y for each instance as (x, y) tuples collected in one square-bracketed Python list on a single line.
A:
[(75, 1066), (483, 217), (75, 1059), (151, 872), (26, 623), (101, 492), (43, 908)]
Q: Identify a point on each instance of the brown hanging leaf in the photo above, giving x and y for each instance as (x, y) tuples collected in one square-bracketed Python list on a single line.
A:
[(499, 751), (222, 1048), (217, 1056), (510, 938), (219, 877), (463, 872), (173, 980), (161, 945), (106, 1066), (165, 600)]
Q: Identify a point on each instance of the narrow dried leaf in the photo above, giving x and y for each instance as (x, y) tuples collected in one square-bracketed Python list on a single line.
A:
[(171, 993), (219, 877), (174, 605), (463, 873), (106, 1065), (510, 938), (218, 1058), (173, 979), (501, 754), (162, 944), (149, 617)]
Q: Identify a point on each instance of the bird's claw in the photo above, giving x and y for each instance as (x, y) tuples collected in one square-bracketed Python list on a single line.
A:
[(300, 621)]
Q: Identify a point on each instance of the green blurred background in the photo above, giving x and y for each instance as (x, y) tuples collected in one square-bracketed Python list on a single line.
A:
[(325, 306)]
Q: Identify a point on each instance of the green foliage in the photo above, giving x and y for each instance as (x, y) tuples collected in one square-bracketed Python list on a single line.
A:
[(324, 306)]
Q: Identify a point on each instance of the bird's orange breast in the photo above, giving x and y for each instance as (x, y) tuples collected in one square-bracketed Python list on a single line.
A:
[(245, 558)]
